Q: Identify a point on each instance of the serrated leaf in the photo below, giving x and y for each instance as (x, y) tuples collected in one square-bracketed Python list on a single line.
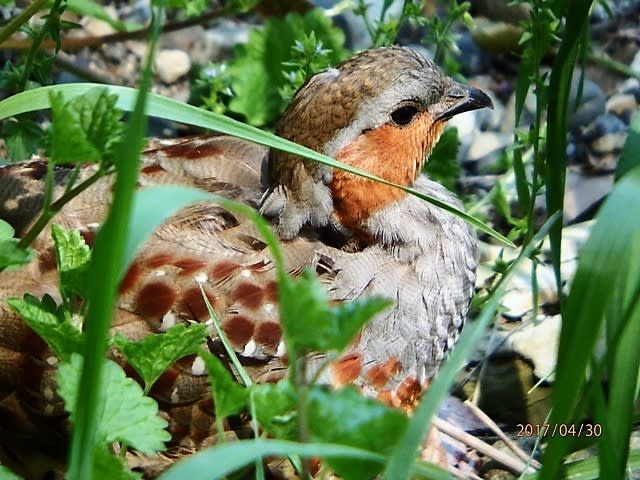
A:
[(107, 465), (47, 320), (85, 128), (229, 397), (276, 408), (13, 256), (151, 356), (348, 418), (311, 324), (126, 414), (73, 256)]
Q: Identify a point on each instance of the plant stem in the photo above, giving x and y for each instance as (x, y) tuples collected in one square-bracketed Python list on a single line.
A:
[(50, 211), (15, 24), (44, 31), (614, 65)]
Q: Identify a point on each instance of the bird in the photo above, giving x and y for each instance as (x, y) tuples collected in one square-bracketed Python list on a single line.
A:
[(381, 111)]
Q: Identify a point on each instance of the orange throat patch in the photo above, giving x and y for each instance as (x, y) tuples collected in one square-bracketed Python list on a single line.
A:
[(393, 153)]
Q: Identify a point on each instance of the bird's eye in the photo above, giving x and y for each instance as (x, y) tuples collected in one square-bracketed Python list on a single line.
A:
[(404, 115)]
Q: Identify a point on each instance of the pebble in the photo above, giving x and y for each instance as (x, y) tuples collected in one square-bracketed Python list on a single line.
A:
[(623, 105), (538, 342), (591, 104), (472, 58), (635, 63), (486, 148), (583, 191), (98, 28), (171, 64)]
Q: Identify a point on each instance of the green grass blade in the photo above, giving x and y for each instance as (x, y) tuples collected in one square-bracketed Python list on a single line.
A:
[(107, 265), (225, 459), (170, 109), (559, 91), (403, 457), (608, 257), (630, 156), (588, 469)]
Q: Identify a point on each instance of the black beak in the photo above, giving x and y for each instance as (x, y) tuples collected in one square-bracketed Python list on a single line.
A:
[(473, 99)]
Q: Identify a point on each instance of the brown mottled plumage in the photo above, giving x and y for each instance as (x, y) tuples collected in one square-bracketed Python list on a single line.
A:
[(381, 111)]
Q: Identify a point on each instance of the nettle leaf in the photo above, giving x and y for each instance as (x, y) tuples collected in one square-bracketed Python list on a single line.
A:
[(49, 322), (346, 417), (276, 408), (107, 465), (127, 414), (151, 356), (229, 396), (311, 324), (73, 256), (86, 128)]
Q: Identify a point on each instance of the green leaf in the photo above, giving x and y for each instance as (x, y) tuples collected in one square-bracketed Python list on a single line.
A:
[(257, 68), (443, 161), (126, 414), (605, 282), (170, 109), (311, 324), (13, 256), (6, 230), (23, 137), (107, 465), (218, 462), (347, 417), (84, 128), (276, 408), (229, 396), (94, 9), (151, 207), (108, 264), (73, 257), (6, 474), (49, 322), (630, 156), (151, 356)]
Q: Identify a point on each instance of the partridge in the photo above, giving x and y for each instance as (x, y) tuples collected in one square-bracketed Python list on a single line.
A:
[(381, 111)]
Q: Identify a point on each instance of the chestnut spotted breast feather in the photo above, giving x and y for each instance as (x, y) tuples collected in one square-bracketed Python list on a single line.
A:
[(381, 111)]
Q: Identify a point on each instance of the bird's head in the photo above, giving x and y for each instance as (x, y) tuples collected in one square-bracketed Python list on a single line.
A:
[(381, 111)]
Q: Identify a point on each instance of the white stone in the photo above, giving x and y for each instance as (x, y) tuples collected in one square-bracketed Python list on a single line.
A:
[(538, 341), (99, 28), (171, 64)]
